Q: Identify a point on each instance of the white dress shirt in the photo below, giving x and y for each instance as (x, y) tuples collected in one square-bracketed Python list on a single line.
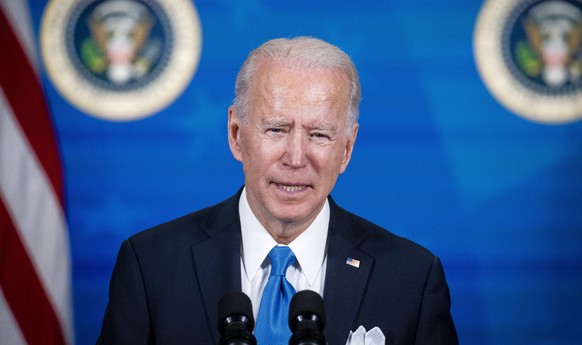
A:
[(308, 273)]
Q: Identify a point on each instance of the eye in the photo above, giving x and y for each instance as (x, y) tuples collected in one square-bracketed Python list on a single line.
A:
[(320, 135), (275, 130)]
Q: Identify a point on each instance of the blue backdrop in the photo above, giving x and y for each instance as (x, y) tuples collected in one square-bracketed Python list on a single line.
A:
[(437, 160)]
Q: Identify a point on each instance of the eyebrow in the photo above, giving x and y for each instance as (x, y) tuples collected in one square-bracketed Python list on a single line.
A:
[(281, 122), (324, 127), (275, 122)]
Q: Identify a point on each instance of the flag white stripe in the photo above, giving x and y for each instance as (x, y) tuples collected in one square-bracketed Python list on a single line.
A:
[(11, 334), (37, 214)]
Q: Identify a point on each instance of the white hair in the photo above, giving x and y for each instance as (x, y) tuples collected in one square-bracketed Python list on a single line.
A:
[(301, 52)]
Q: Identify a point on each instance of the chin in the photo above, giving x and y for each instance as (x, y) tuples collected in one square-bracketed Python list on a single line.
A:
[(290, 215)]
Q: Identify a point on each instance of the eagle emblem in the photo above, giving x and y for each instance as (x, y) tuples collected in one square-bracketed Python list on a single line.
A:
[(529, 56), (120, 60), (120, 47), (553, 48)]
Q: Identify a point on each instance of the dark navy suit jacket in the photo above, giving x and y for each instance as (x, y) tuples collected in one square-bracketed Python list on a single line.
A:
[(168, 280)]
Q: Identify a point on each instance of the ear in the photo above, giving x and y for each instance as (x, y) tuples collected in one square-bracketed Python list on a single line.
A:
[(234, 133), (349, 148)]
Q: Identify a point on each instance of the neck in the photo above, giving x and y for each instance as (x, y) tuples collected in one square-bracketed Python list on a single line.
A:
[(285, 233)]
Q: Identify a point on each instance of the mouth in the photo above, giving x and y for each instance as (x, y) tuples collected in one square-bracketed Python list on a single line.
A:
[(291, 188)]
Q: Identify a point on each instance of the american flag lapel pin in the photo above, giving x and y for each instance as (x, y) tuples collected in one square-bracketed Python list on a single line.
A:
[(353, 262)]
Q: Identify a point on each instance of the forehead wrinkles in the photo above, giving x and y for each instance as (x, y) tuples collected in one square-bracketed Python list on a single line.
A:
[(284, 87)]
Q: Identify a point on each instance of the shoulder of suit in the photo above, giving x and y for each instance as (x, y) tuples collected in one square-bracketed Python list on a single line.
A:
[(378, 239), (188, 229)]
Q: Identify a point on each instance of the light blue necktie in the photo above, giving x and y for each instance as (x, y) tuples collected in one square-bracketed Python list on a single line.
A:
[(272, 322)]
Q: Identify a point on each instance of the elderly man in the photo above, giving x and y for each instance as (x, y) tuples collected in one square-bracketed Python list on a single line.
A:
[(293, 125)]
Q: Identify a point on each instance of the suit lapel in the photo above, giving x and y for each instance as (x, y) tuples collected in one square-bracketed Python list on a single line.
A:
[(344, 284), (217, 259)]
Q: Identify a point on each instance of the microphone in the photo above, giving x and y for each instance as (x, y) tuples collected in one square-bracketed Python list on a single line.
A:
[(306, 319), (235, 320)]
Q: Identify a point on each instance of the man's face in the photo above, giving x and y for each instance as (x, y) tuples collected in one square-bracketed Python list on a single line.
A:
[(293, 144)]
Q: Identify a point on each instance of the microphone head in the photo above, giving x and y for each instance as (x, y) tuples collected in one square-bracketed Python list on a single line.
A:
[(235, 306), (306, 305)]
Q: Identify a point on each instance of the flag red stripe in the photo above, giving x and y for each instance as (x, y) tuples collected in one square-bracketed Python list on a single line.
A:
[(24, 93), (23, 290)]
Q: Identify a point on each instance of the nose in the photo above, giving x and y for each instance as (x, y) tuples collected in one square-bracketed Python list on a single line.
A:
[(295, 150)]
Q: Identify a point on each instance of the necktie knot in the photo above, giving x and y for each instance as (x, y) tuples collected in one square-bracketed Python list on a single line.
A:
[(281, 258)]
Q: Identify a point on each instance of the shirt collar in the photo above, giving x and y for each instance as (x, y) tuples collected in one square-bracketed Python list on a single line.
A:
[(308, 247)]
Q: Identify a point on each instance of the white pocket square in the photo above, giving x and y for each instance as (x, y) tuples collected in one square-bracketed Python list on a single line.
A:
[(371, 337)]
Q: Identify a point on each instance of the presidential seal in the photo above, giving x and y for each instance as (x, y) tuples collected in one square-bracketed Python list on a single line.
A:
[(120, 60), (529, 55)]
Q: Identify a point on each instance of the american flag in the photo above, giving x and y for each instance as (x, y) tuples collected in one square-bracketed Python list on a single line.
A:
[(353, 262), (35, 298)]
